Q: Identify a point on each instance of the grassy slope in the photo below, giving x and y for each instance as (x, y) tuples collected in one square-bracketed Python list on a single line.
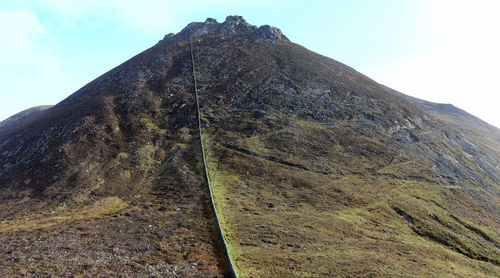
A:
[(307, 195), (106, 235), (284, 221)]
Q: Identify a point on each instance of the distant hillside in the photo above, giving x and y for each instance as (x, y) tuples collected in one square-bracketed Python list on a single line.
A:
[(470, 126), (23, 116)]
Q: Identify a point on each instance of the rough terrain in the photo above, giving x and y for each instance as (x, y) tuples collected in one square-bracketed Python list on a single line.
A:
[(317, 171)]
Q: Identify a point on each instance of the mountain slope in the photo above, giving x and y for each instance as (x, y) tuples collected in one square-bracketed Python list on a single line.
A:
[(316, 170), (321, 170), (22, 116), (468, 125), (108, 182)]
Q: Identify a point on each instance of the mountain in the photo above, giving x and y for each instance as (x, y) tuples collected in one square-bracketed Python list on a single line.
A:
[(23, 116), (315, 170)]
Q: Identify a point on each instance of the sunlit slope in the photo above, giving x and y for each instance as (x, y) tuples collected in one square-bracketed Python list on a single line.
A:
[(320, 171)]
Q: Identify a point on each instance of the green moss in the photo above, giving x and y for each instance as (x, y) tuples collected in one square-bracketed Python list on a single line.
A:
[(219, 179)]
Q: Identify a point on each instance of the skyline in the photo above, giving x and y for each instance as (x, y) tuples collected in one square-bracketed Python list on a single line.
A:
[(424, 48)]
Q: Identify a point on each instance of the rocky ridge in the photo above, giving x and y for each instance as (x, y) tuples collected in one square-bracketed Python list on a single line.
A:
[(231, 26)]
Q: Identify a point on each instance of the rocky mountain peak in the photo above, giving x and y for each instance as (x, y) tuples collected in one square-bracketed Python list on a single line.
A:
[(235, 24), (231, 26)]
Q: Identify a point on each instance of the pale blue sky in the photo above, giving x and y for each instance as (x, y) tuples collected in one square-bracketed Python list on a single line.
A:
[(441, 50)]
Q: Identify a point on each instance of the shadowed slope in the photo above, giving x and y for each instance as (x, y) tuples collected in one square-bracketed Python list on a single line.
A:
[(109, 180)]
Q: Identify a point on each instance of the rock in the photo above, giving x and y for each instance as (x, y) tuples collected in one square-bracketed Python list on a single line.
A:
[(197, 29), (269, 32), (169, 36), (468, 147), (231, 26), (235, 24), (211, 21)]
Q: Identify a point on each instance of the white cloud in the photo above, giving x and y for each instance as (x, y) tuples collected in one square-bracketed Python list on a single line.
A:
[(146, 15), (463, 66), (149, 15), (31, 71), (34, 66), (20, 31), (71, 9)]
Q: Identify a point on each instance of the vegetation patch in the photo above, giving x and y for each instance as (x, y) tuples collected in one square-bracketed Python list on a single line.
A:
[(101, 207)]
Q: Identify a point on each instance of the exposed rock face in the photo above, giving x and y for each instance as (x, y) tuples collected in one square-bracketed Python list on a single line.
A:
[(235, 24), (270, 32), (231, 26)]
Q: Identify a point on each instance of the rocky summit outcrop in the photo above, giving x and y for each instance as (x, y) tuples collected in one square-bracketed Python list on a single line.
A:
[(316, 171), (231, 26)]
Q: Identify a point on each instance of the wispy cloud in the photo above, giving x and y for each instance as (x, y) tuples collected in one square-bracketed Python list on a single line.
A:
[(462, 65), (146, 15), (27, 60), (21, 31)]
